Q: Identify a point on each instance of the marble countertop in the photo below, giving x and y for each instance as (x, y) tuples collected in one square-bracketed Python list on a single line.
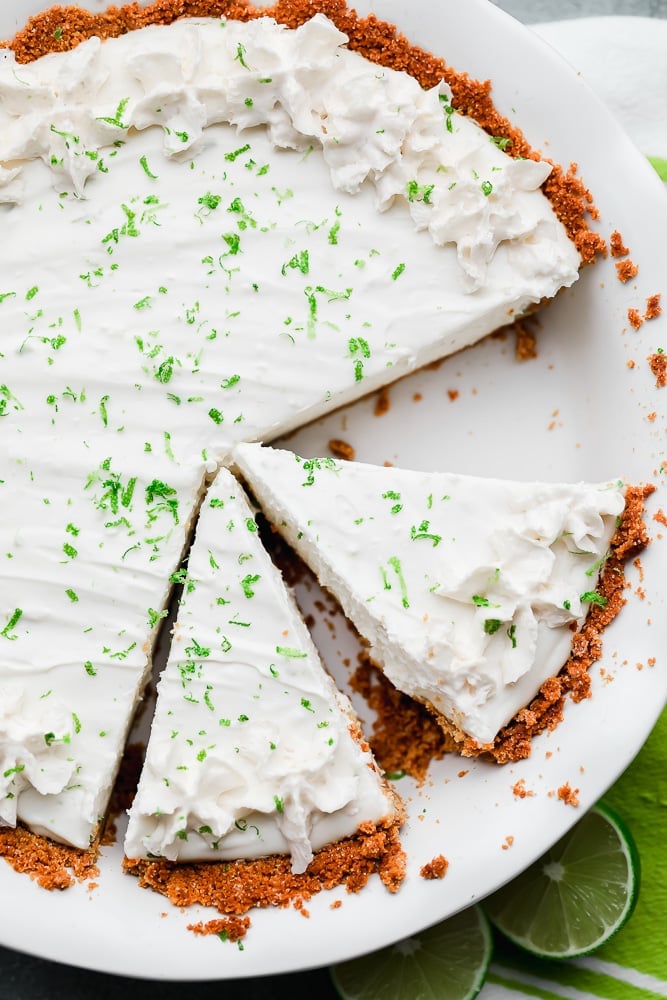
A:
[(23, 977)]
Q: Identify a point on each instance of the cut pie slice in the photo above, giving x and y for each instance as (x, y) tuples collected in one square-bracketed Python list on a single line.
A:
[(467, 589), (253, 751)]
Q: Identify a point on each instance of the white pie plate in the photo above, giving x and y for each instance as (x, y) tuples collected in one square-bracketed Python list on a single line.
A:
[(578, 411)]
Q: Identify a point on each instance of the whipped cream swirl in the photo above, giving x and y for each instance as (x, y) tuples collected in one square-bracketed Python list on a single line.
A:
[(374, 125)]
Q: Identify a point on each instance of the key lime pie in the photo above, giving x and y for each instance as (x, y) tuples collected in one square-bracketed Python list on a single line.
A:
[(217, 229), (467, 589)]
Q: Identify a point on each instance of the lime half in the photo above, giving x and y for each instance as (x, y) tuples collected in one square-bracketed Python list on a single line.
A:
[(449, 960), (577, 895)]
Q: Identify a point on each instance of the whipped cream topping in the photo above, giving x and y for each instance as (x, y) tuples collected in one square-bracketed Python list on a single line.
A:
[(181, 273), (466, 588), (373, 125), (35, 733), (250, 750), (90, 540)]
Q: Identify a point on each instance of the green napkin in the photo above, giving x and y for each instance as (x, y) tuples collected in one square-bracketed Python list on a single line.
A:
[(633, 964)]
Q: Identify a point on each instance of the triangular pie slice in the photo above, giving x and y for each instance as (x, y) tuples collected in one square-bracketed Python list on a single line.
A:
[(253, 751), (467, 589)]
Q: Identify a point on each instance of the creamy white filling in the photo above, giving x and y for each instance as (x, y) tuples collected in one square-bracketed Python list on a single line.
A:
[(250, 751), (466, 588), (183, 268), (373, 125)]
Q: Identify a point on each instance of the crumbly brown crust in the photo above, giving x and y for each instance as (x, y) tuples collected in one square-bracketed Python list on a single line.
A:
[(342, 449), (237, 887), (653, 307), (658, 365), (51, 865), (617, 247), (568, 795), (436, 868), (626, 270), (62, 28)]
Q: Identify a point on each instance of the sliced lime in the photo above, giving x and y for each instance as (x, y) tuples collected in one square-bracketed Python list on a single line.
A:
[(577, 895), (449, 960), (660, 165)]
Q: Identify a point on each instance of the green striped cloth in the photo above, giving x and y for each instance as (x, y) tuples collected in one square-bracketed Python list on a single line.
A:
[(633, 964)]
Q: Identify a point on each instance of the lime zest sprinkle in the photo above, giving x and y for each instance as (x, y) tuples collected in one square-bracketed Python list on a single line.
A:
[(592, 597), (292, 652), (12, 622), (424, 531), (143, 160)]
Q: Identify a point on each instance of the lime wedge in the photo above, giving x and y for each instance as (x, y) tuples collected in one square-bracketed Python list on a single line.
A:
[(660, 165), (448, 960), (577, 895)]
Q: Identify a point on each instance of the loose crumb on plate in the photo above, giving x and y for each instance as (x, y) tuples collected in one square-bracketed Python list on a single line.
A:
[(520, 791), (616, 245), (382, 402), (227, 928), (568, 795), (341, 449), (635, 318), (625, 270), (653, 307), (436, 868), (658, 365)]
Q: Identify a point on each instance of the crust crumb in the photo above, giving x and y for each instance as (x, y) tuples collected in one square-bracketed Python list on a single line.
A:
[(526, 338), (616, 245), (625, 270), (382, 402), (653, 307), (658, 365), (436, 868), (568, 795), (341, 449), (227, 929), (520, 791), (635, 318)]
